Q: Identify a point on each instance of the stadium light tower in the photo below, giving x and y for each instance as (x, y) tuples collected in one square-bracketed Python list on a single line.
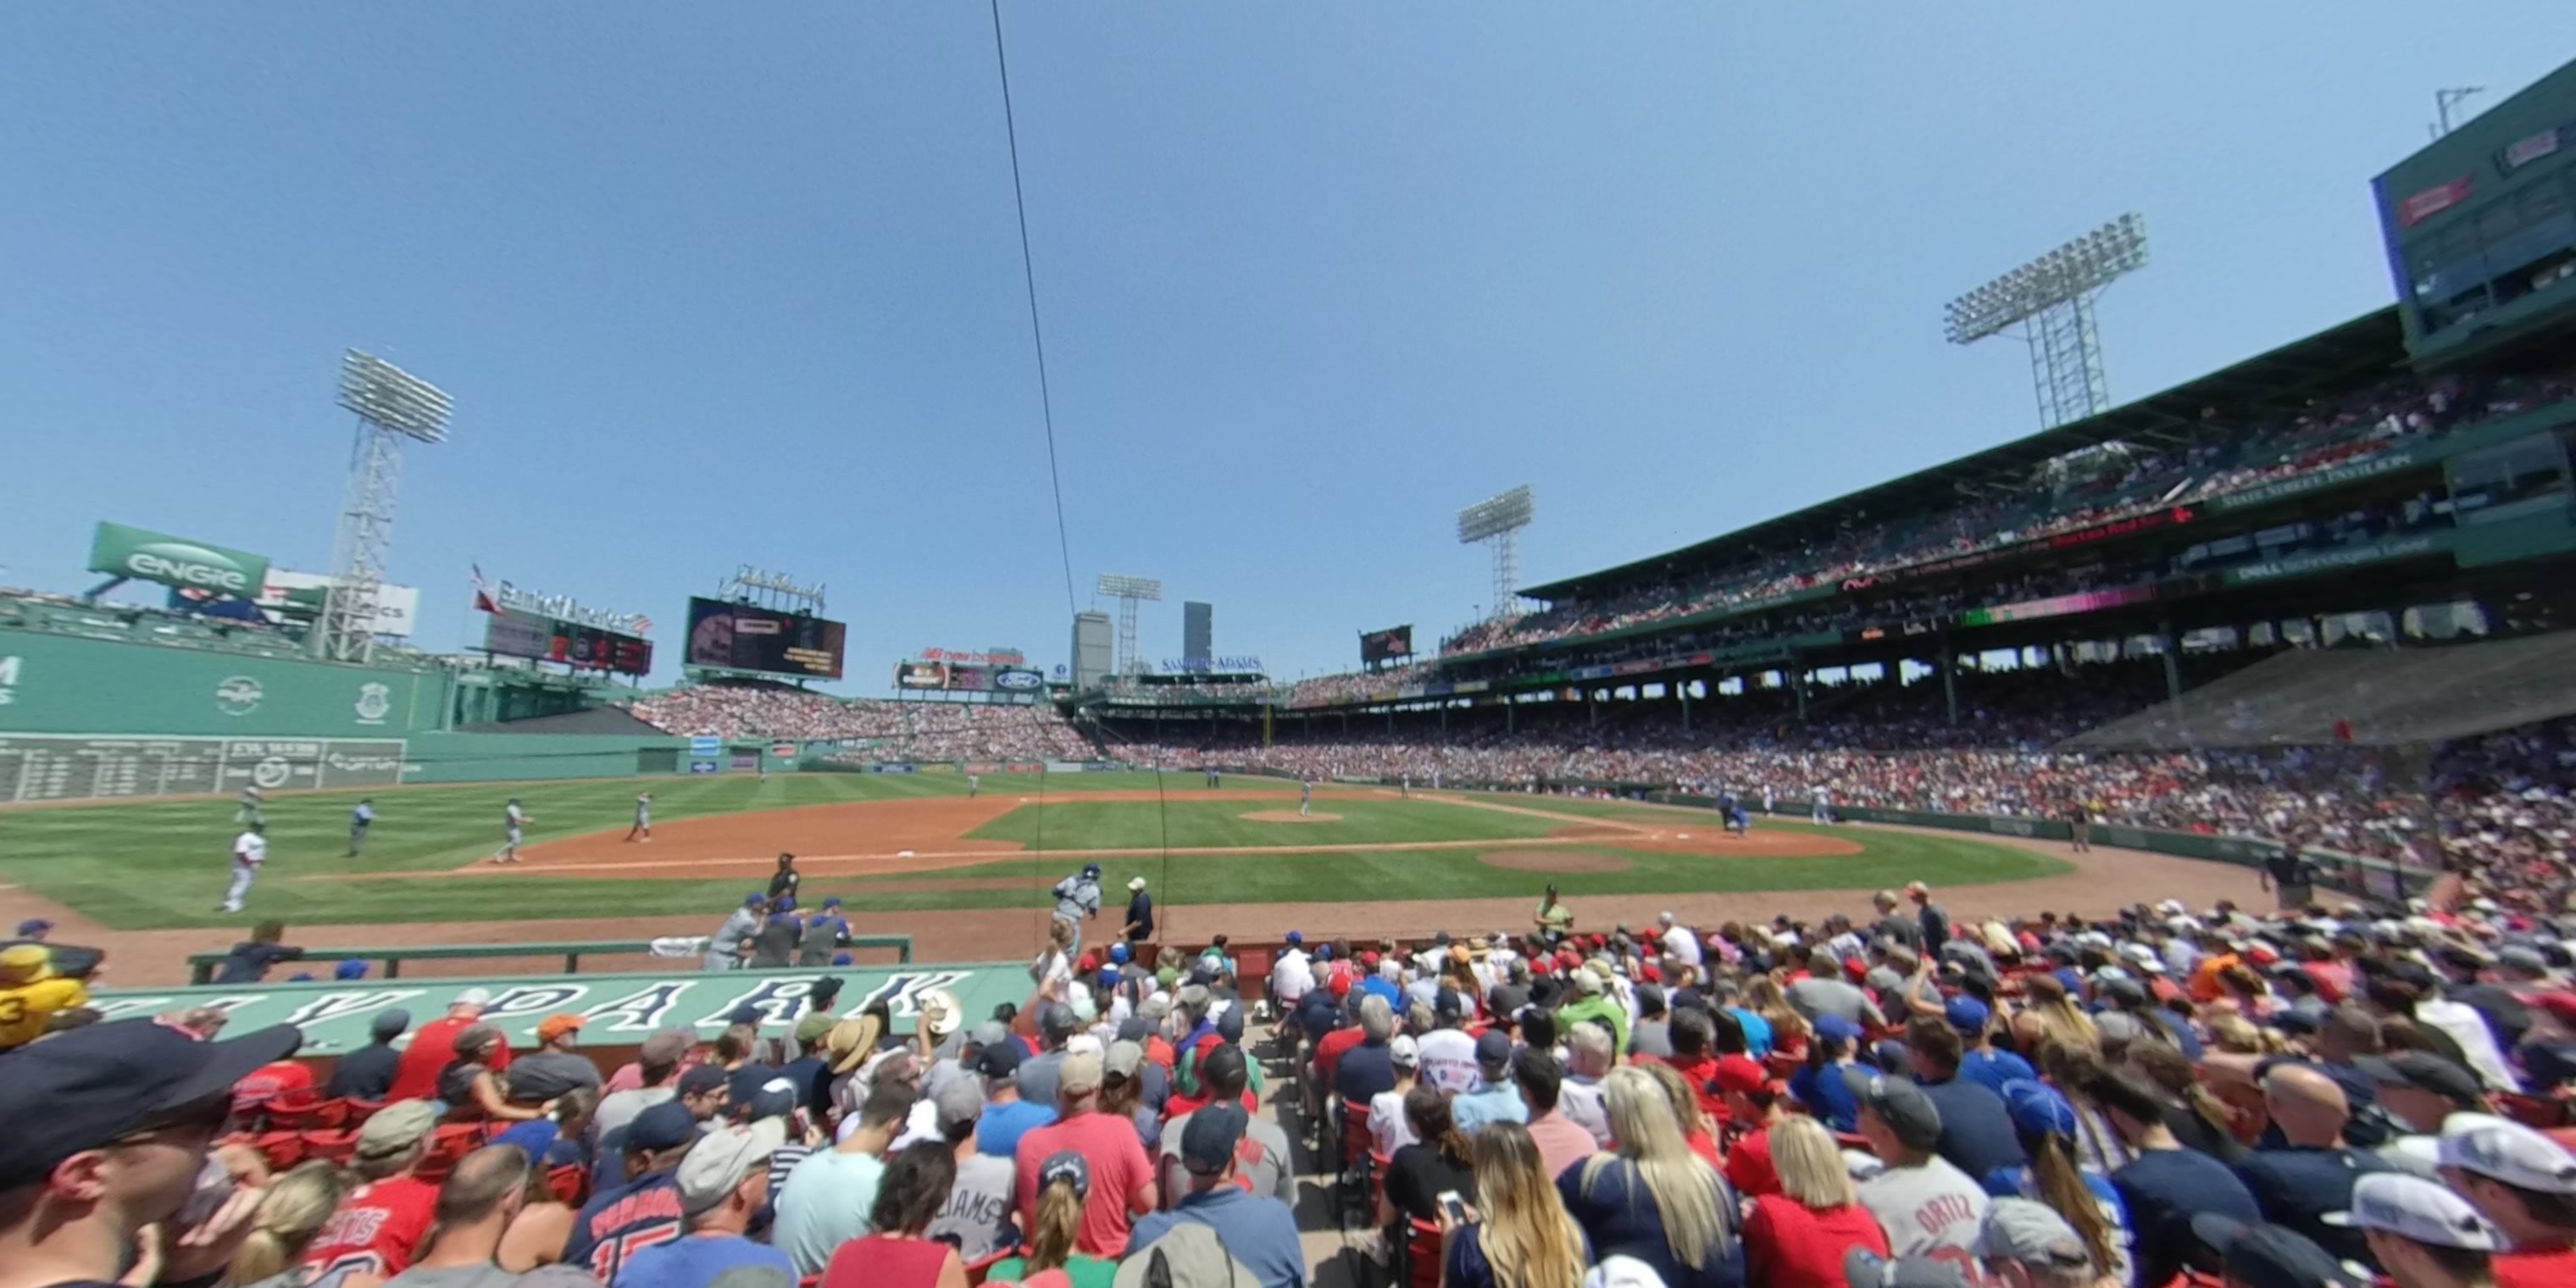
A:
[(2051, 299), (391, 405), (1499, 520), (1129, 592)]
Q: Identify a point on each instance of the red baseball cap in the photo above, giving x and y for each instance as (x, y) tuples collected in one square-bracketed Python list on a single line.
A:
[(1542, 966), (1855, 968), (1740, 1073), (1652, 973), (1369, 959), (2561, 1005), (1086, 964)]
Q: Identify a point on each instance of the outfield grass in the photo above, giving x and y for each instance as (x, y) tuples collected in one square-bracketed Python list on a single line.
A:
[(162, 864)]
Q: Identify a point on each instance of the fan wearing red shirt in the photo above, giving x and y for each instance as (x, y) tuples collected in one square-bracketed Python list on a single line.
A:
[(283, 1080), (1329, 1048), (1750, 1098), (1798, 1236), (1693, 1034), (1122, 1178), (433, 1048), (380, 1225), (2525, 1183)]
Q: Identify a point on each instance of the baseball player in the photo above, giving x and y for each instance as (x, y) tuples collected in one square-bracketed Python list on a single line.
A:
[(1077, 899), (825, 932), (248, 811), (724, 950), (360, 819), (513, 819), (643, 829), (974, 785), (250, 849), (1824, 811), (1305, 797), (774, 944), (784, 882), (1405, 787)]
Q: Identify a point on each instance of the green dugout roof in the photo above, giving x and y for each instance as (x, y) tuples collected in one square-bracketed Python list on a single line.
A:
[(2257, 391), (622, 1010)]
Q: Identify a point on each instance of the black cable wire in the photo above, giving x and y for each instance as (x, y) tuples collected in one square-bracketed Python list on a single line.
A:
[(1029, 274)]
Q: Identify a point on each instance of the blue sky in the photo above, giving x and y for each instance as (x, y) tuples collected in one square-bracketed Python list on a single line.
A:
[(724, 284)]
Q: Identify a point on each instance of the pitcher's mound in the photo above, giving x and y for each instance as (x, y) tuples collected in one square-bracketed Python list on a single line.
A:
[(1553, 861), (1288, 816)]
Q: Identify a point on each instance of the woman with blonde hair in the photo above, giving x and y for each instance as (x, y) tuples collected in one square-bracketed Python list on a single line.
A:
[(1686, 1111), (2045, 1123), (2099, 1147), (1764, 997), (1654, 1199), (2059, 1018), (1521, 1237), (290, 1215), (1798, 1237), (2199, 1119), (1047, 1258), (2237, 1035), (1055, 961)]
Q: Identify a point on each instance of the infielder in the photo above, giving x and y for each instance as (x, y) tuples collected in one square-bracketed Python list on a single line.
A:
[(1077, 899), (1305, 797), (1405, 788), (1824, 811), (724, 950), (974, 785), (643, 829), (513, 819), (360, 819), (250, 849)]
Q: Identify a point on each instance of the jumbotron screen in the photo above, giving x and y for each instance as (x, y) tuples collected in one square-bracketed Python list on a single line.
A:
[(747, 637), (515, 634), (1381, 646)]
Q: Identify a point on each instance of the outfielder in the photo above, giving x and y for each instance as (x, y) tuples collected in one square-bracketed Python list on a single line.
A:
[(1077, 899), (248, 812), (1305, 797), (250, 849), (643, 829), (513, 819), (360, 819), (974, 786)]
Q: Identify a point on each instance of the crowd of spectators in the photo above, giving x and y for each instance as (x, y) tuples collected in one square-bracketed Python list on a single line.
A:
[(2392, 414), (2304, 1098), (906, 730)]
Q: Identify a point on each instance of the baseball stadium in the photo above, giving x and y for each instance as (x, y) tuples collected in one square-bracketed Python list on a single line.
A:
[(2275, 666)]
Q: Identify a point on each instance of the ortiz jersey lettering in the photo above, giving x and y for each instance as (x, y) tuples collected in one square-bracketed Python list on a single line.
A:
[(375, 1232)]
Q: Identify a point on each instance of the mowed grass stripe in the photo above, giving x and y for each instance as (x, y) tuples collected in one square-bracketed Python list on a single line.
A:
[(1197, 824)]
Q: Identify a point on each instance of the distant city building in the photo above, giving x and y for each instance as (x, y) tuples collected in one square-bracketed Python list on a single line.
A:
[(1198, 635), (1091, 649)]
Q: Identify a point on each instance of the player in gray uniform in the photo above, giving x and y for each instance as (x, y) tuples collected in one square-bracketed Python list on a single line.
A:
[(974, 786), (512, 820), (248, 812), (1077, 899), (1305, 796), (724, 950), (360, 819), (643, 829)]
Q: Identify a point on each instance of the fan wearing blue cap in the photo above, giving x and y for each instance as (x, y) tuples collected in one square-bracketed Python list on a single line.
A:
[(109, 1127), (646, 1209), (2046, 1124), (1980, 1062), (1975, 1133), (732, 940), (826, 931), (1822, 1084)]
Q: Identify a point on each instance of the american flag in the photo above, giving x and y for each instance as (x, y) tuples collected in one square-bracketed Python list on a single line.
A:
[(642, 624), (482, 591)]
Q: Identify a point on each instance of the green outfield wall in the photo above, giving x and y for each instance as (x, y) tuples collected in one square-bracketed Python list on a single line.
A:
[(66, 684)]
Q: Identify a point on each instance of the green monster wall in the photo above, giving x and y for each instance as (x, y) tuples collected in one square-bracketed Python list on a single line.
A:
[(64, 684)]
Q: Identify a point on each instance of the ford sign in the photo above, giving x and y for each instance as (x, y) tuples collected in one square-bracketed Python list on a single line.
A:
[(1018, 681)]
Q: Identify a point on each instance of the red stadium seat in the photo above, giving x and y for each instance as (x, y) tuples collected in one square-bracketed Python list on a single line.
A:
[(337, 1145), (282, 1149), (306, 1114), (569, 1183), (361, 1110), (981, 1266), (1421, 1255), (450, 1142)]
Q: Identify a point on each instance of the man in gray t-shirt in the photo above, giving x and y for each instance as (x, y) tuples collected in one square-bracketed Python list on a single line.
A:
[(1823, 992)]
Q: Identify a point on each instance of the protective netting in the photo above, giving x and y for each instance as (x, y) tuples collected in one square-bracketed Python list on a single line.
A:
[(2362, 697)]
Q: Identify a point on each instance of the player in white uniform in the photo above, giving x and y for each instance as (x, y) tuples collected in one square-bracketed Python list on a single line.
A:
[(643, 829), (1305, 797), (1824, 811), (512, 820), (974, 786), (250, 849)]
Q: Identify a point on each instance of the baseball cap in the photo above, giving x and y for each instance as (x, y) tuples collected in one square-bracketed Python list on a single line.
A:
[(2031, 1233), (1863, 1268), (1135, 883), (2270, 1256), (958, 1100), (350, 969), (1294, 938), (1124, 1059), (2423, 1071), (989, 1033), (390, 1023), (473, 997), (941, 1013), (395, 1128), (83, 1088), (556, 1025), (2414, 1208), (1057, 1020), (2037, 1108), (34, 926), (1000, 1060), (813, 1027), (1908, 1113), (1079, 1073), (1404, 1051), (1741, 1074), (1493, 1048), (2500, 1150), (667, 1125), (722, 1159), (701, 1079), (1967, 1014), (1837, 1028), (771, 1097), (1207, 1143), (665, 1048), (1066, 1165)]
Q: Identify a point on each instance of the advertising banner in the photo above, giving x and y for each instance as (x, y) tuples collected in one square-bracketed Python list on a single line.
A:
[(2302, 565), (747, 637), (963, 677), (513, 633), (300, 596), (125, 551)]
